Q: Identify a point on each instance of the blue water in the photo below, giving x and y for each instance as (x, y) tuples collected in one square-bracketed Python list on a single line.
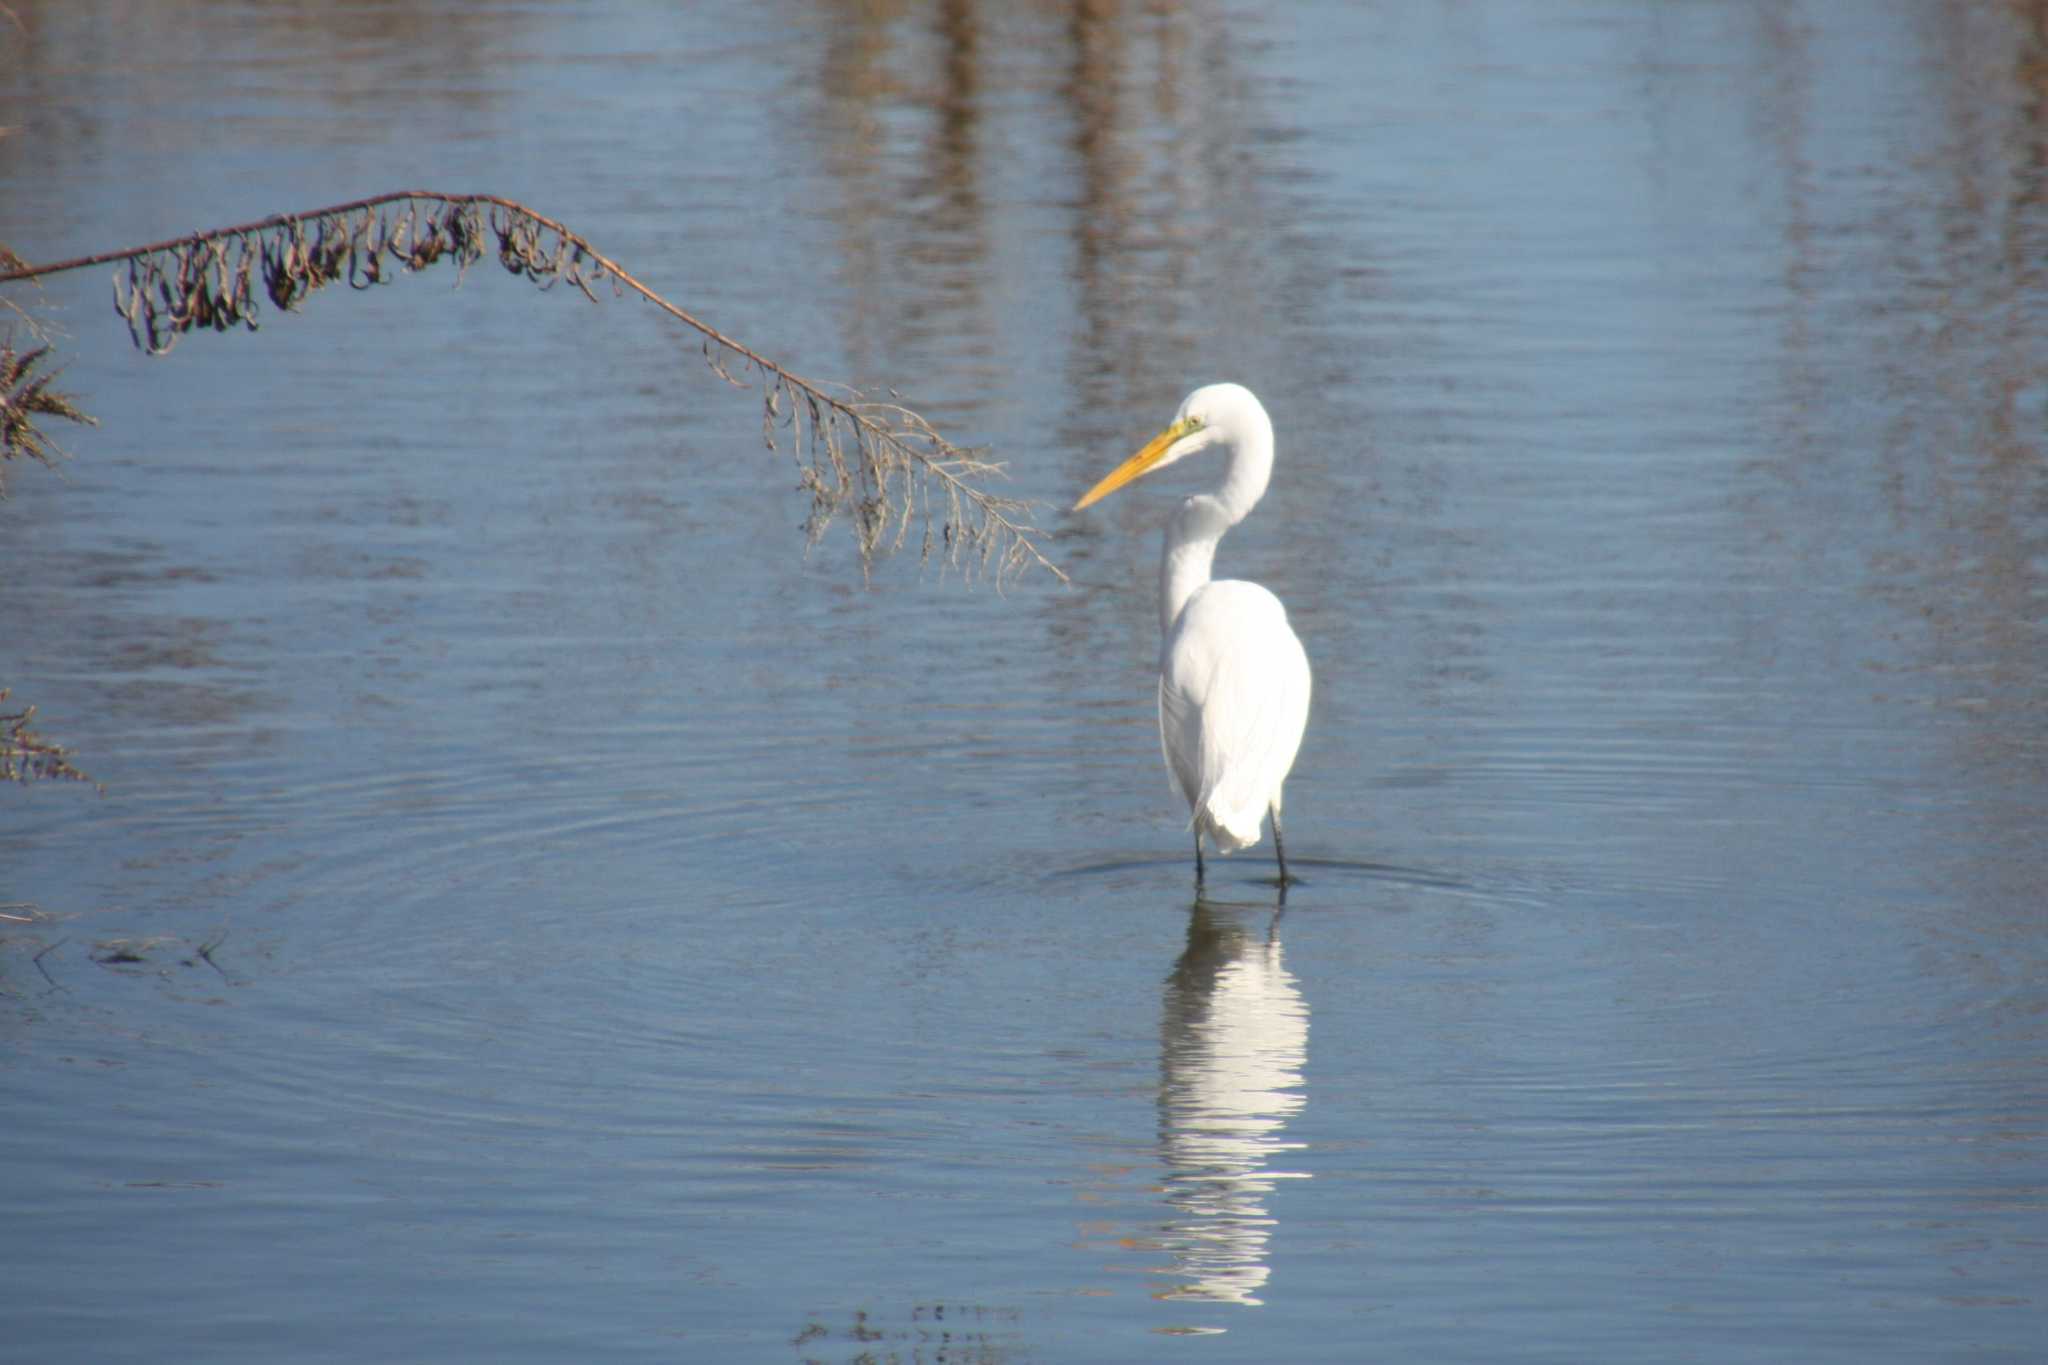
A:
[(534, 907)]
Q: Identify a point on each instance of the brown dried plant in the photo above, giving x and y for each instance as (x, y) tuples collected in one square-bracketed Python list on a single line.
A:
[(24, 397), (24, 754), (877, 461)]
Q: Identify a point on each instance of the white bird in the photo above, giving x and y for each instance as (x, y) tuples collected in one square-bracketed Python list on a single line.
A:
[(1233, 678)]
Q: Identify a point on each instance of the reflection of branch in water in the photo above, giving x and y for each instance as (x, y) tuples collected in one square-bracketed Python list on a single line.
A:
[(934, 1331), (1235, 1042)]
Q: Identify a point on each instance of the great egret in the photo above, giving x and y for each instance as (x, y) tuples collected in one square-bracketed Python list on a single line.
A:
[(1233, 678)]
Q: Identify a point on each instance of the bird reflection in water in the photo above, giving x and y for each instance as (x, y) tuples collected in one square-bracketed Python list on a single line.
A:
[(1235, 1040)]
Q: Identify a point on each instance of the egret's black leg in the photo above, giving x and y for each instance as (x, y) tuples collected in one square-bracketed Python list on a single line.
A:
[(1198, 860), (1280, 852)]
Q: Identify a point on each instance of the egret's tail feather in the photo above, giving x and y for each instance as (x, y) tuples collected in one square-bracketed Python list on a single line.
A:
[(1228, 833)]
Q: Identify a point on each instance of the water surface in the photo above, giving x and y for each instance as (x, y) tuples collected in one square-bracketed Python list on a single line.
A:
[(628, 935)]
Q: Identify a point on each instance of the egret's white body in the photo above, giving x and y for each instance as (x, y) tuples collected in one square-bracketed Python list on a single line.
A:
[(1233, 677)]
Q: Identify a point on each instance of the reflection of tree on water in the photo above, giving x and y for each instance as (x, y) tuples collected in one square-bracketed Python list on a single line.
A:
[(1235, 1041)]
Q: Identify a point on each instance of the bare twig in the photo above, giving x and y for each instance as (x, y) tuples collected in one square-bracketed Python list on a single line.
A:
[(38, 960), (879, 462), (205, 951)]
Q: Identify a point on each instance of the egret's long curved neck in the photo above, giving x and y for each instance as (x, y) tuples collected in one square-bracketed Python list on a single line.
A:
[(1198, 524), (1186, 562)]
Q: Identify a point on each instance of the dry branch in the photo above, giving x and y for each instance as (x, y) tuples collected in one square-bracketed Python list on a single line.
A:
[(879, 462)]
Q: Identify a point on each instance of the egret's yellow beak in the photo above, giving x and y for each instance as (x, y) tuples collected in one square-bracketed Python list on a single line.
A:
[(1139, 464)]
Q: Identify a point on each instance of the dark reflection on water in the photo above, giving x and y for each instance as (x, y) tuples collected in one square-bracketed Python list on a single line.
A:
[(644, 940)]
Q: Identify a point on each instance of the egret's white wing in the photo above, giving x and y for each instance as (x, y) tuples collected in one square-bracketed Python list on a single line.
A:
[(1233, 703)]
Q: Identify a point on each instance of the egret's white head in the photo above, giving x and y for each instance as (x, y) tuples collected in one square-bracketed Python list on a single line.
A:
[(1226, 414)]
